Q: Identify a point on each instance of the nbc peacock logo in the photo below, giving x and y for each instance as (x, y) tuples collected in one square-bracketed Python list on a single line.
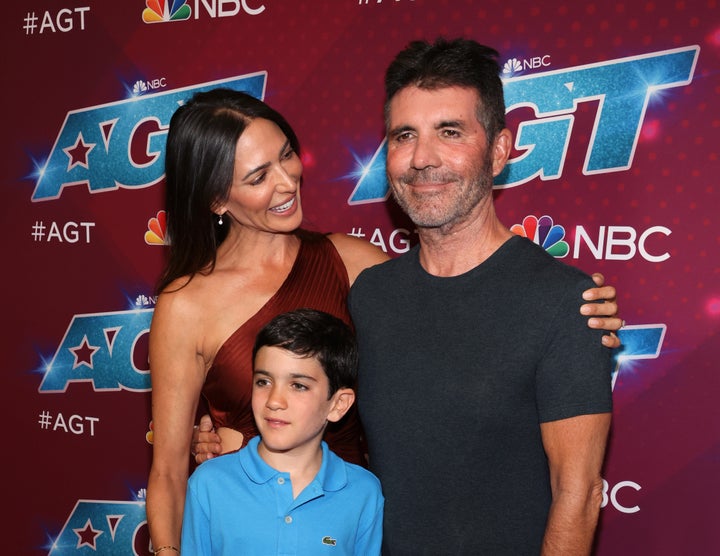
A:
[(511, 67), (157, 226), (545, 233), (162, 11)]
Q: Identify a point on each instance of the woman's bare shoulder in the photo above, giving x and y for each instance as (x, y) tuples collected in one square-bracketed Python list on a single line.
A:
[(183, 297)]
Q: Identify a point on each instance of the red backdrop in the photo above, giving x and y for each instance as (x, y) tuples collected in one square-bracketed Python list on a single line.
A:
[(614, 107)]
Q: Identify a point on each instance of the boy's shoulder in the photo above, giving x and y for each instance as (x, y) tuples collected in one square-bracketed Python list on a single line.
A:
[(359, 473), (219, 468), (343, 474)]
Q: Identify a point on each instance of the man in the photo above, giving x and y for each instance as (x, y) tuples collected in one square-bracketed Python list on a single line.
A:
[(485, 399)]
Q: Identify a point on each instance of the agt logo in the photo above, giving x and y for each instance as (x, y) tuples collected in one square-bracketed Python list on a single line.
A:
[(104, 350), (624, 88), (121, 144), (514, 66), (104, 527), (163, 11), (611, 243)]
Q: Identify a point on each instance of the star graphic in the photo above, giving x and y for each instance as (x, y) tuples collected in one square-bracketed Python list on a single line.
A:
[(84, 353), (87, 535), (78, 153)]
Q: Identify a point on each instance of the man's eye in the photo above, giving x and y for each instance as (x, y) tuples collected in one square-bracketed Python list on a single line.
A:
[(450, 133)]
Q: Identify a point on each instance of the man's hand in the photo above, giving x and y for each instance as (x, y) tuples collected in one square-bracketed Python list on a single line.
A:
[(603, 315), (206, 443)]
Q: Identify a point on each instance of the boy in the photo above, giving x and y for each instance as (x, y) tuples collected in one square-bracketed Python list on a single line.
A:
[(286, 492)]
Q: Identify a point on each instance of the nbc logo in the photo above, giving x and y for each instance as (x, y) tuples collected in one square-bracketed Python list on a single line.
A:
[(543, 232), (512, 66), (161, 11), (139, 87), (155, 234), (515, 65)]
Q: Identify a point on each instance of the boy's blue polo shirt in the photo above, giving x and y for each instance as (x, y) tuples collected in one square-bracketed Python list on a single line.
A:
[(238, 504)]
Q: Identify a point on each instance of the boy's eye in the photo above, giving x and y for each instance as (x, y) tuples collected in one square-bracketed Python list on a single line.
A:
[(298, 386)]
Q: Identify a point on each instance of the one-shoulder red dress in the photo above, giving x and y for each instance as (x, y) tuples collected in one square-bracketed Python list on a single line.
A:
[(318, 280)]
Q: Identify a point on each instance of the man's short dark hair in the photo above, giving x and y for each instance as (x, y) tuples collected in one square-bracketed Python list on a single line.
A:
[(451, 63), (313, 333)]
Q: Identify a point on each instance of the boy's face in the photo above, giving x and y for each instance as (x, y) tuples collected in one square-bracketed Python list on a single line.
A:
[(290, 400)]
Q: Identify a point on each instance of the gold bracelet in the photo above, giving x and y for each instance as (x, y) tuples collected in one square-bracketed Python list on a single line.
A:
[(166, 547)]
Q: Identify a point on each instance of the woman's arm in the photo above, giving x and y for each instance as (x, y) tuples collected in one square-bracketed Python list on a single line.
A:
[(177, 374)]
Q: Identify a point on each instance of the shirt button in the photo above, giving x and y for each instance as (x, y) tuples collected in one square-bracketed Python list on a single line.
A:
[(288, 519), (281, 480)]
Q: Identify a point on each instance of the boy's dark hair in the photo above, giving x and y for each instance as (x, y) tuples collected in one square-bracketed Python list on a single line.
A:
[(451, 63), (313, 333)]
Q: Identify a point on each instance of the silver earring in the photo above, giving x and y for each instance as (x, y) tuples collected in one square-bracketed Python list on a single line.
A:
[(220, 220)]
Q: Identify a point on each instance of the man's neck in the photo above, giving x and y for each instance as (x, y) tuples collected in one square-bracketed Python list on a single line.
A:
[(451, 252)]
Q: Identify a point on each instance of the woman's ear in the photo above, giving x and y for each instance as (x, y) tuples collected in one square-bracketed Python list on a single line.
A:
[(219, 208), (343, 400)]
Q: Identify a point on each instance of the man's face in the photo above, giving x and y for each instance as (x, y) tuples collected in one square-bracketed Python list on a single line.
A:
[(439, 164)]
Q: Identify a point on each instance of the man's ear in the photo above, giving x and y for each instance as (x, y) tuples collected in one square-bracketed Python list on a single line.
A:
[(502, 147), (342, 401)]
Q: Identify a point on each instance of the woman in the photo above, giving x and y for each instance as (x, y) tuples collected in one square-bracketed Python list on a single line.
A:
[(237, 258)]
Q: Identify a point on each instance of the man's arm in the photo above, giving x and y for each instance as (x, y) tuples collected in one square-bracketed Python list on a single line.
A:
[(575, 448), (206, 442)]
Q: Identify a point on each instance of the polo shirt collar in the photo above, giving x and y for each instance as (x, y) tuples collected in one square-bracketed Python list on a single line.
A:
[(332, 475)]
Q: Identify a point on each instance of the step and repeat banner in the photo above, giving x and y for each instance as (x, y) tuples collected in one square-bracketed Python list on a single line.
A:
[(614, 107)]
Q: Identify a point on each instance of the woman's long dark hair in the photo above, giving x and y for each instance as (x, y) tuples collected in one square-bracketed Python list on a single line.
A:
[(199, 165)]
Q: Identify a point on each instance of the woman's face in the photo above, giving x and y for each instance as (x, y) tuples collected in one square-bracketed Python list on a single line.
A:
[(265, 193)]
